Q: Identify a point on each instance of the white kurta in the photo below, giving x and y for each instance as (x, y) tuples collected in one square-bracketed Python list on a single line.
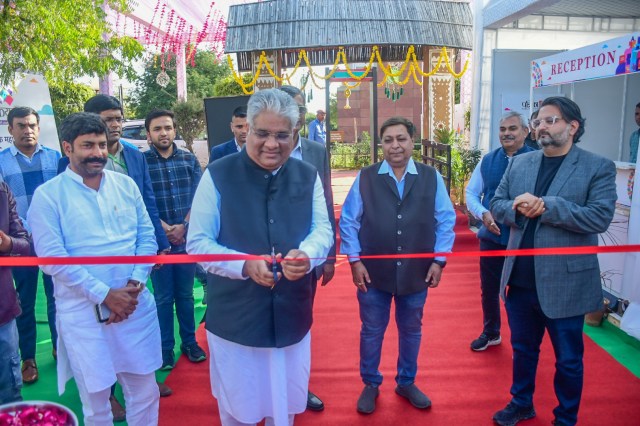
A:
[(70, 219), (254, 383)]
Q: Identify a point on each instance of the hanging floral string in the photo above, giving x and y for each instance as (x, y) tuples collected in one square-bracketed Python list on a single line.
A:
[(410, 66)]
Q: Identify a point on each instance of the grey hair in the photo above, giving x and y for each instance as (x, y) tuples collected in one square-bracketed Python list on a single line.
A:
[(273, 100), (510, 114)]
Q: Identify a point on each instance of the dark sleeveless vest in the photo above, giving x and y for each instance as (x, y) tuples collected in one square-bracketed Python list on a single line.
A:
[(390, 225), (259, 211), (493, 166)]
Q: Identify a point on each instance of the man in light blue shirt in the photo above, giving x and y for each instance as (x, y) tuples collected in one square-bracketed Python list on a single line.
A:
[(317, 128), (395, 207)]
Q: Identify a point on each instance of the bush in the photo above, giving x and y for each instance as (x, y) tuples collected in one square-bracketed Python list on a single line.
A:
[(190, 120)]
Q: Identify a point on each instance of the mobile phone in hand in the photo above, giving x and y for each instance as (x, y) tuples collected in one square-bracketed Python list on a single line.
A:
[(102, 312)]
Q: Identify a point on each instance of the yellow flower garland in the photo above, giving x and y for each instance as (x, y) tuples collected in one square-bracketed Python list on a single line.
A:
[(410, 62)]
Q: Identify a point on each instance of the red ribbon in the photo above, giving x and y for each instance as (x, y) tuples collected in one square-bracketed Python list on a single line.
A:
[(193, 258)]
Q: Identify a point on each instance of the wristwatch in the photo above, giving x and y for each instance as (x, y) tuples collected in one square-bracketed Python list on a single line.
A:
[(186, 225), (440, 263)]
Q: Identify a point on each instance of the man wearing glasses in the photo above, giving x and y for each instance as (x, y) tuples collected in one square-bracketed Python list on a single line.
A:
[(560, 196), (262, 203)]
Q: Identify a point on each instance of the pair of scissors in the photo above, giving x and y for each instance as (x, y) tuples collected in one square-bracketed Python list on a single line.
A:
[(274, 267)]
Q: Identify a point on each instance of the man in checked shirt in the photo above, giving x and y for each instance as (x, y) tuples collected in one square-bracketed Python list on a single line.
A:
[(174, 175)]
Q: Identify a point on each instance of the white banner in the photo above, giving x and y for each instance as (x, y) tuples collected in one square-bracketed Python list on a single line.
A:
[(613, 57), (32, 91)]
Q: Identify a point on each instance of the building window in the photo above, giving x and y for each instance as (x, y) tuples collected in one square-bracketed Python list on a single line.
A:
[(555, 23), (582, 24), (531, 22)]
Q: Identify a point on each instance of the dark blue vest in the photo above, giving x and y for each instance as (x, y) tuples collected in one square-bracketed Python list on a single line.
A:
[(390, 225), (259, 211), (493, 166)]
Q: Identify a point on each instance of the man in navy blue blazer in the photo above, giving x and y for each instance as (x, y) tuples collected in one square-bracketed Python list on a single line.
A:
[(239, 128)]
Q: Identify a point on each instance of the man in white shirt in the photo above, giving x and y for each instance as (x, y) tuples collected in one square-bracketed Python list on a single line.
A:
[(89, 211), (262, 203)]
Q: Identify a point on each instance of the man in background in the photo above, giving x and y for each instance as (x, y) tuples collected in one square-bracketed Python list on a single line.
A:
[(635, 138), (14, 241), (239, 129), (531, 139), (175, 175), (317, 128), (560, 196), (316, 155), (493, 235), (25, 166)]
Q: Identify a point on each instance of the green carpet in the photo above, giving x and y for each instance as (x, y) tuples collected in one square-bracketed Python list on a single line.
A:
[(624, 348), (46, 388)]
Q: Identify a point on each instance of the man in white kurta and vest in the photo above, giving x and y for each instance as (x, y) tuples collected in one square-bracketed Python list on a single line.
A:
[(395, 207), (260, 202), (106, 318)]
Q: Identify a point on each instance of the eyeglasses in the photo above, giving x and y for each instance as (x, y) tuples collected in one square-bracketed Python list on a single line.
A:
[(110, 120), (549, 121), (263, 135)]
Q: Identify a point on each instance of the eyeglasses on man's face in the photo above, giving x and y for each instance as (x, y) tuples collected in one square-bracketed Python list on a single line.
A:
[(549, 121), (263, 135)]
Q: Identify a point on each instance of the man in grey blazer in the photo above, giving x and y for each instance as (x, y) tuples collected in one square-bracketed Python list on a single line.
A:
[(316, 155), (560, 196)]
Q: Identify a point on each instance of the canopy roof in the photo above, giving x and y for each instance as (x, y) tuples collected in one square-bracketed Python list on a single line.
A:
[(321, 27)]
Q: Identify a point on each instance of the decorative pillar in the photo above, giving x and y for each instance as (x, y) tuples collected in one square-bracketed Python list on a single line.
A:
[(266, 81), (441, 95)]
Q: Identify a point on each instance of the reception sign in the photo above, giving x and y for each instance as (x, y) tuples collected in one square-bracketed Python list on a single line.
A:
[(613, 57)]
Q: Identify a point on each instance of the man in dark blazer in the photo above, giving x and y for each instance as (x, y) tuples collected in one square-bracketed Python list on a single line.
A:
[(239, 128), (560, 196), (316, 155)]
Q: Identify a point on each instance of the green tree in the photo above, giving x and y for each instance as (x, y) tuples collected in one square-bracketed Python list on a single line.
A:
[(228, 86), (190, 120), (62, 39), (201, 80), (68, 97)]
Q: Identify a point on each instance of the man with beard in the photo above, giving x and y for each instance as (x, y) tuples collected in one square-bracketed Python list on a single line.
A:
[(107, 322), (560, 196), (24, 166), (239, 129), (493, 235), (175, 175)]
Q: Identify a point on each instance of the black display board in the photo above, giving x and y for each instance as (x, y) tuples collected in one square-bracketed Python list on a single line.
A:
[(218, 113)]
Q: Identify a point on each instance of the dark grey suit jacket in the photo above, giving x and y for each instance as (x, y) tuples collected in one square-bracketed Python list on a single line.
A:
[(316, 154), (579, 204)]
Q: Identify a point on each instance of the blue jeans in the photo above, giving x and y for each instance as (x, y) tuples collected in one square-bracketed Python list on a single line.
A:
[(10, 376), (375, 306), (174, 284), (528, 323), (490, 271), (26, 281)]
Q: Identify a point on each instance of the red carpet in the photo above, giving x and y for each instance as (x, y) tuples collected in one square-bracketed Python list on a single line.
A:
[(465, 387)]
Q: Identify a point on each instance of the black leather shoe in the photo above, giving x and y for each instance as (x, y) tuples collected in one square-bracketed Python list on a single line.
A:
[(314, 403)]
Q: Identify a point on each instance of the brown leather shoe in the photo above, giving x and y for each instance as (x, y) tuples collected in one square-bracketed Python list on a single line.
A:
[(29, 371), (164, 390), (117, 410)]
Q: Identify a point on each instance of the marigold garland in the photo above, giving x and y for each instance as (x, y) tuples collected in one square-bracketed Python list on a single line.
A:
[(410, 62)]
